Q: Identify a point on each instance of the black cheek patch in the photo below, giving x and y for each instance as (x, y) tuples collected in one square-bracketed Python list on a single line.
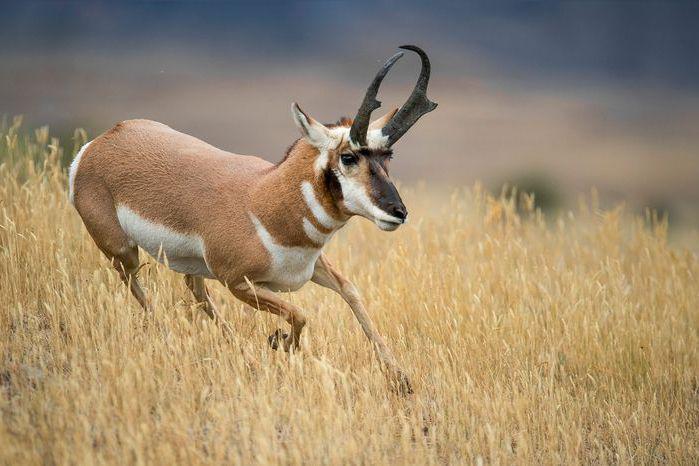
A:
[(333, 185)]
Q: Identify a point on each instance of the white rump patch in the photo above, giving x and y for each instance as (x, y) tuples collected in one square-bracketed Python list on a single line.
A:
[(291, 266), (184, 252), (317, 208), (74, 171)]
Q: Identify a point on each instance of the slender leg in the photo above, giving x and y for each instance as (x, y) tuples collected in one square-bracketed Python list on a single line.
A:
[(325, 275), (126, 264), (198, 288), (96, 208), (196, 285), (266, 300)]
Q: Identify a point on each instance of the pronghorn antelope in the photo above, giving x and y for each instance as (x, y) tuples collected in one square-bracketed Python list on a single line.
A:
[(256, 227)]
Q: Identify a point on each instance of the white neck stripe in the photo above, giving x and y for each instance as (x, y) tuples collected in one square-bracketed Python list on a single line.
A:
[(317, 209), (314, 234)]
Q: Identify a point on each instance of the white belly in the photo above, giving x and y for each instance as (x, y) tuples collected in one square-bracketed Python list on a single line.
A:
[(183, 253), (290, 267)]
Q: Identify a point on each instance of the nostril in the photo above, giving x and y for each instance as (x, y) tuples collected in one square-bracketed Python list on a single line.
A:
[(398, 211)]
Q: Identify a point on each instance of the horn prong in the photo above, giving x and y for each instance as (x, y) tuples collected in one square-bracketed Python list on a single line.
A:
[(360, 124), (417, 104)]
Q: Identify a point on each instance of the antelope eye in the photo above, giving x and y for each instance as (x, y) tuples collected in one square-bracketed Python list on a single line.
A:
[(348, 159)]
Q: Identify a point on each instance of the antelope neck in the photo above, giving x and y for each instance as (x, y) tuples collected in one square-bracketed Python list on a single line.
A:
[(294, 203)]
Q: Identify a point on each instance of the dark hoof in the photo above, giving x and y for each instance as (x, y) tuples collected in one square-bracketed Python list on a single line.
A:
[(276, 337)]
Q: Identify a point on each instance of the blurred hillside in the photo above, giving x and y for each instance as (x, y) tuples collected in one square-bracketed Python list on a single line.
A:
[(575, 93)]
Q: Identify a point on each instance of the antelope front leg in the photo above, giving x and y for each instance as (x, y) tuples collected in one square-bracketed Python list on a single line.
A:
[(325, 275), (266, 300)]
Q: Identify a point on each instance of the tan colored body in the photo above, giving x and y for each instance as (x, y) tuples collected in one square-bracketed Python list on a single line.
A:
[(187, 187), (256, 227), (185, 184)]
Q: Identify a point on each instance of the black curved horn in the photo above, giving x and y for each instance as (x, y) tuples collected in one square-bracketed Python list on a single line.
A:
[(417, 104), (369, 104)]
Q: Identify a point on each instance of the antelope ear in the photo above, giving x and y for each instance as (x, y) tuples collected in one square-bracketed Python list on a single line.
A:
[(382, 121), (316, 133)]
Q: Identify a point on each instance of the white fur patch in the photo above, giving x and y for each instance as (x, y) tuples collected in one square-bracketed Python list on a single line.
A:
[(317, 209), (321, 162), (314, 234), (358, 201), (338, 134), (74, 171), (375, 139), (334, 138), (316, 133), (291, 267), (184, 252)]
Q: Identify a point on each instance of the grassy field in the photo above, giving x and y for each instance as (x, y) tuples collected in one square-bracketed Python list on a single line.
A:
[(563, 340)]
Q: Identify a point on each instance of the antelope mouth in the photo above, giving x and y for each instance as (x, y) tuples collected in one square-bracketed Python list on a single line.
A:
[(389, 224)]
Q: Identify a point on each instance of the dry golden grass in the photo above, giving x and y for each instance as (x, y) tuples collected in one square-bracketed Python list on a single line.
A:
[(574, 340)]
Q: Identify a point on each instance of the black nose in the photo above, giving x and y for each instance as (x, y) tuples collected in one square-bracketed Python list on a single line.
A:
[(398, 210)]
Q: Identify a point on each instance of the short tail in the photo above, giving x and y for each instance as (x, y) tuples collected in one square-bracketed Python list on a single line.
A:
[(74, 171)]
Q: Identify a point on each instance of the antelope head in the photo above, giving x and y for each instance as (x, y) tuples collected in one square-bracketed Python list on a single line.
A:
[(353, 156)]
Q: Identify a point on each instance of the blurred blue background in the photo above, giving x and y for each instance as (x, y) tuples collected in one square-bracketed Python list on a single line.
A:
[(560, 95)]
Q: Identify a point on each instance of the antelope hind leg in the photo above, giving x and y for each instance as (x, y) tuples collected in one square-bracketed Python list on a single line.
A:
[(99, 216)]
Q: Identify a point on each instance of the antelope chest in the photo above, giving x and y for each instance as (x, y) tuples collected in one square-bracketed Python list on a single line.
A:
[(290, 266)]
